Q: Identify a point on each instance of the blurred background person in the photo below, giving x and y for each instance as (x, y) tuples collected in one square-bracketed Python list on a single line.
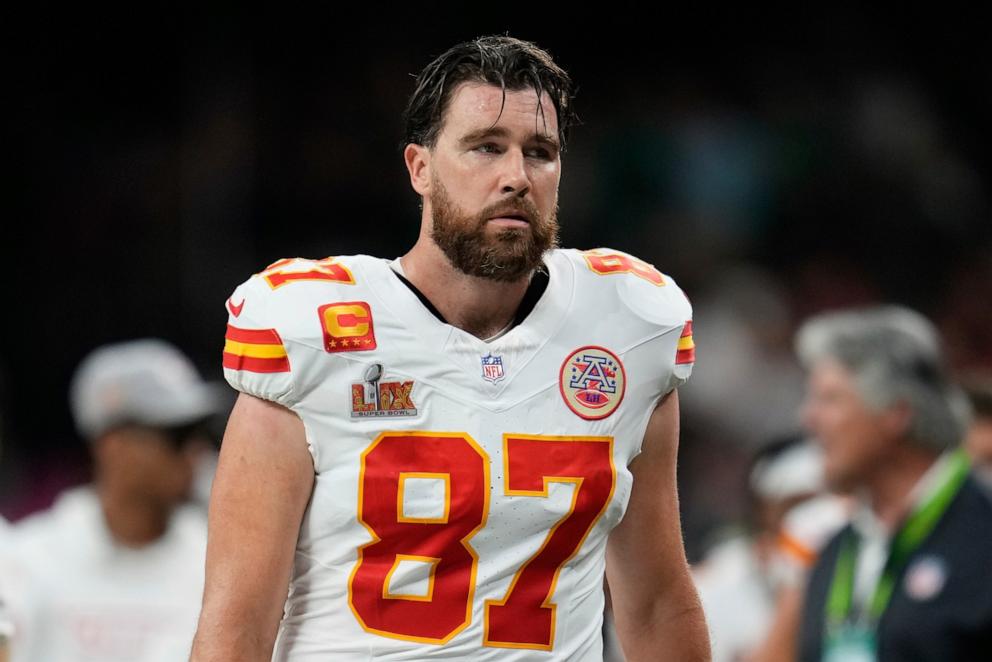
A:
[(978, 442), (114, 570), (741, 578), (804, 531), (909, 577)]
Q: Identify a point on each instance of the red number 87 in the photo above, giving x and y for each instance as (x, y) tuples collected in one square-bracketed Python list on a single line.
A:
[(525, 617)]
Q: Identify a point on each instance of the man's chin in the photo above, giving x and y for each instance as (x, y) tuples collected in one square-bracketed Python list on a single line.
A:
[(502, 273), (508, 237), (504, 267)]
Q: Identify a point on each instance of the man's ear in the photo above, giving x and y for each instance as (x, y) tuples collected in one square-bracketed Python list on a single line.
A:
[(418, 164)]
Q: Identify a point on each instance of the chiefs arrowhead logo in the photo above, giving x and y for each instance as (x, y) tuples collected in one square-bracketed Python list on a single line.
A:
[(235, 310)]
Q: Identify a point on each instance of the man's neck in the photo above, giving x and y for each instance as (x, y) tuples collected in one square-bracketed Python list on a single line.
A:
[(479, 306), (890, 488)]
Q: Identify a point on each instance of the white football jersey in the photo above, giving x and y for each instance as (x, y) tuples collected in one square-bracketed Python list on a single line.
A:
[(464, 490), (77, 595)]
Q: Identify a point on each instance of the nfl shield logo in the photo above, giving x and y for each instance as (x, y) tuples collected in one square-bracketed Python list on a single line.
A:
[(492, 368)]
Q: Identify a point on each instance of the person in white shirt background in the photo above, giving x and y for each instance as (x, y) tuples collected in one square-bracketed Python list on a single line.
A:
[(743, 577), (114, 570)]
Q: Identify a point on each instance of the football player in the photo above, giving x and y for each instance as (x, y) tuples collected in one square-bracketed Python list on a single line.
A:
[(438, 456)]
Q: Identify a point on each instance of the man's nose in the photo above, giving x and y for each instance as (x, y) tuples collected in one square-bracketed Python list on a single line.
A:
[(514, 177)]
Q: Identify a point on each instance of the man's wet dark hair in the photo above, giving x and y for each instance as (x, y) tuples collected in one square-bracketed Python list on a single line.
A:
[(512, 64)]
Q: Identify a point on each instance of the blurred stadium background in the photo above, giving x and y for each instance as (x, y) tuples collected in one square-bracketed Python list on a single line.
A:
[(833, 159)]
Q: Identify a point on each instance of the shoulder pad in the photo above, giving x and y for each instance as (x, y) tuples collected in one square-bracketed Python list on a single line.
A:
[(296, 269), (274, 315), (650, 294)]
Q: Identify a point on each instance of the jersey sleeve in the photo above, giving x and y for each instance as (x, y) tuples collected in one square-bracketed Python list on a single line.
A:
[(666, 315), (684, 356), (255, 356), (662, 315)]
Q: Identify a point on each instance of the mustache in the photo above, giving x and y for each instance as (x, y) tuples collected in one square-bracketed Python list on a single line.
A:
[(519, 207)]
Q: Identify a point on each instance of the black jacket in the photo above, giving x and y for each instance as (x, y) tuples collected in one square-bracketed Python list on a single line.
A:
[(953, 624)]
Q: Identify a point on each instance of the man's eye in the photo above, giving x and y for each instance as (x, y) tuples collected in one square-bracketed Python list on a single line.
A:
[(539, 153), (488, 147)]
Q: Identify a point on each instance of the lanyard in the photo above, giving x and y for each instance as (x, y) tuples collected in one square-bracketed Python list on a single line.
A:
[(907, 540)]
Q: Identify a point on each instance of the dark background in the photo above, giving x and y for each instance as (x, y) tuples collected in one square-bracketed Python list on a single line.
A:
[(836, 158)]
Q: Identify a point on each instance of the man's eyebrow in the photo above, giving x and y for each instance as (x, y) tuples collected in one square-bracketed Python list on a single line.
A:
[(502, 132)]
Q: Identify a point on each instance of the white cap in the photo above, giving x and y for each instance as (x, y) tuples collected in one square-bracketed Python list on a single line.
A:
[(145, 382), (795, 471)]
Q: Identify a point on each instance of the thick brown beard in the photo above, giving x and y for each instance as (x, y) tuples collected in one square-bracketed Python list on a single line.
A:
[(510, 255)]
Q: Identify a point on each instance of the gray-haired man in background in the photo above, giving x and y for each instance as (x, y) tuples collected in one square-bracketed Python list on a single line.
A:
[(909, 577)]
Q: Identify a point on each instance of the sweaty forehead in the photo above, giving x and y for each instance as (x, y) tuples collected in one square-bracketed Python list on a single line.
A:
[(476, 106)]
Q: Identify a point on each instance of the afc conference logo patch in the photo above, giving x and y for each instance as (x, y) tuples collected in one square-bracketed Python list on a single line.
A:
[(592, 382)]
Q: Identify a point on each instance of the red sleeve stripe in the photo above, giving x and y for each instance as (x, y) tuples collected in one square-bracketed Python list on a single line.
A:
[(253, 336), (686, 349), (254, 350), (252, 364)]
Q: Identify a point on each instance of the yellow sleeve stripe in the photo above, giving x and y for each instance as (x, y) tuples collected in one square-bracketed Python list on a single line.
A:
[(253, 350)]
